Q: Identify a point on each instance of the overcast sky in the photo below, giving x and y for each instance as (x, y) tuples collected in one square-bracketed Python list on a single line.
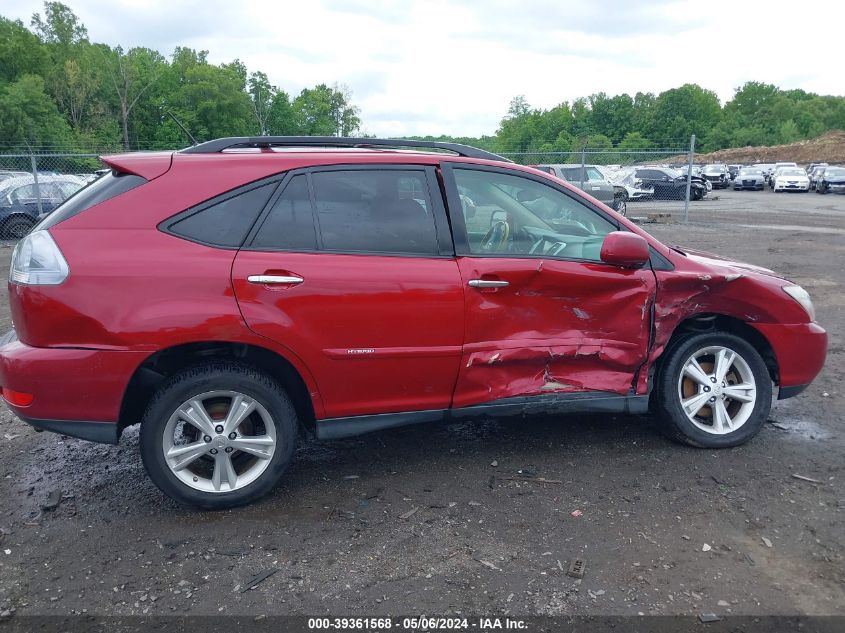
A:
[(452, 66)]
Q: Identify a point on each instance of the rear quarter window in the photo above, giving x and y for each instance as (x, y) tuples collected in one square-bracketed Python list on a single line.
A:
[(223, 221)]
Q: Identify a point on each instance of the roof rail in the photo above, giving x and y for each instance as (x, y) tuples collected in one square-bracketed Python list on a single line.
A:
[(220, 144)]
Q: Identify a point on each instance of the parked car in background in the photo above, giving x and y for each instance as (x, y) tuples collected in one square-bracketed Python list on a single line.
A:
[(767, 168), (733, 170), (717, 174), (784, 164), (19, 201), (813, 174), (790, 179), (589, 179), (750, 178), (627, 185), (812, 166), (831, 180), (225, 299), (6, 174), (669, 184)]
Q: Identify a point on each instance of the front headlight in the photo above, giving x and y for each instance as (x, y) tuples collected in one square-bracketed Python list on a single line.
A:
[(802, 297)]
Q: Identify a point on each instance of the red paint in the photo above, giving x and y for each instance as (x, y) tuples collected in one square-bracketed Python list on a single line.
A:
[(558, 326), (367, 334)]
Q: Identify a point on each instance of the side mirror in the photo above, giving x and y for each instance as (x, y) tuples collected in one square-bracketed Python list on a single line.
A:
[(621, 248)]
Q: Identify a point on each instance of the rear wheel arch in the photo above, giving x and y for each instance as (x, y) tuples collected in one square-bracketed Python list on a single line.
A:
[(163, 364)]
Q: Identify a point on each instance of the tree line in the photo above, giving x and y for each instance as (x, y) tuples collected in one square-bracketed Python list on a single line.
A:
[(758, 114), (58, 89)]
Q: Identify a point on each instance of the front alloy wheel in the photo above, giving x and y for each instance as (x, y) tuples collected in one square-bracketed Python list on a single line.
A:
[(717, 390), (712, 390)]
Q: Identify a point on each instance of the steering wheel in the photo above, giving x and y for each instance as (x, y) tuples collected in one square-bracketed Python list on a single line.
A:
[(496, 237), (544, 242)]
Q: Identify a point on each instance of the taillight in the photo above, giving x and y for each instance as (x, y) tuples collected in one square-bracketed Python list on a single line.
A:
[(37, 261)]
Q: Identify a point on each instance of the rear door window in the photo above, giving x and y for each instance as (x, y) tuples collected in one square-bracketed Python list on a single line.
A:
[(375, 211), (290, 223)]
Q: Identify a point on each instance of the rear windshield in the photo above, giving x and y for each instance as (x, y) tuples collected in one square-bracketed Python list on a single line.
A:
[(106, 186)]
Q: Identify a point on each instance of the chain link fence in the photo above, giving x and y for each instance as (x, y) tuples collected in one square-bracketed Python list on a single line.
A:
[(647, 184), (33, 184)]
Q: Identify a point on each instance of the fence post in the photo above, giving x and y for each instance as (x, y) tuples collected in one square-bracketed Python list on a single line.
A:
[(583, 167), (35, 178), (689, 176)]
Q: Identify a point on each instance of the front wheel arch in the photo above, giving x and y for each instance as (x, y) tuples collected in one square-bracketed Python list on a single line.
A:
[(711, 322)]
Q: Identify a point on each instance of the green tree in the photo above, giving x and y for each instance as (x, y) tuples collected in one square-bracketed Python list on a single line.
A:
[(261, 94), (29, 116), (20, 52), (683, 111), (634, 140), (131, 75), (59, 25), (281, 120), (612, 116), (325, 111)]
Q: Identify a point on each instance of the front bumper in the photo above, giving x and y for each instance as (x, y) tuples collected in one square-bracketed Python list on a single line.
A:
[(748, 184), (800, 350), (76, 392)]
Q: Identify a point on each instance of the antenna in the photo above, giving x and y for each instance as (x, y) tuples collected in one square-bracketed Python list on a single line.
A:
[(183, 128)]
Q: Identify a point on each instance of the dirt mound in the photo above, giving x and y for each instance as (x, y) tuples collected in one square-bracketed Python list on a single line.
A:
[(828, 148)]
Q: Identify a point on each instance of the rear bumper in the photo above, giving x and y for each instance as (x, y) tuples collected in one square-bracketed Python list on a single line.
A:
[(800, 350), (102, 432), (76, 392)]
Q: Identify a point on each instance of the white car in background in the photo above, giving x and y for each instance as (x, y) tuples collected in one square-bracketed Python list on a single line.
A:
[(624, 177), (790, 179)]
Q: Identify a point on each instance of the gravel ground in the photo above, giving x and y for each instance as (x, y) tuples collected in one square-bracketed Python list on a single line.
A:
[(455, 519)]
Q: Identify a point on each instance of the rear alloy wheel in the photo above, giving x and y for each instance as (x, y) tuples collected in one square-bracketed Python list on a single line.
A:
[(218, 435), (713, 391)]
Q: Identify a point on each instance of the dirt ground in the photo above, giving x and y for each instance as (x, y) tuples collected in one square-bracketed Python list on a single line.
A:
[(454, 519), (829, 148)]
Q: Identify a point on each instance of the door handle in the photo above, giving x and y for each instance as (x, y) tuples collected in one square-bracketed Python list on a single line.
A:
[(487, 283), (275, 280)]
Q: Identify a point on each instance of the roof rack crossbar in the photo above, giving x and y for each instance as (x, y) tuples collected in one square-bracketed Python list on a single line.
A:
[(220, 144)]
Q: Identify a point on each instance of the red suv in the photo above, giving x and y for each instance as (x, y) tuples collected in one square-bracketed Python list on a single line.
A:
[(227, 294)]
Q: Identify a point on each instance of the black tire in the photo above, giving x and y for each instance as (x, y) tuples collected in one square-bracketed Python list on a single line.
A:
[(620, 205), (210, 377), (667, 406), (17, 228), (822, 190)]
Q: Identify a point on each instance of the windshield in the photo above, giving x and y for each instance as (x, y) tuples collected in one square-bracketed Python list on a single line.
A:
[(791, 172), (834, 171), (750, 172), (715, 168)]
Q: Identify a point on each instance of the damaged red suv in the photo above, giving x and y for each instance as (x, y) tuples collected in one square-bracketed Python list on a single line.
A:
[(225, 295)]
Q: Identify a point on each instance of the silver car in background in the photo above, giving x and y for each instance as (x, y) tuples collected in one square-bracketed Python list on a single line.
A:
[(750, 178), (589, 179)]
